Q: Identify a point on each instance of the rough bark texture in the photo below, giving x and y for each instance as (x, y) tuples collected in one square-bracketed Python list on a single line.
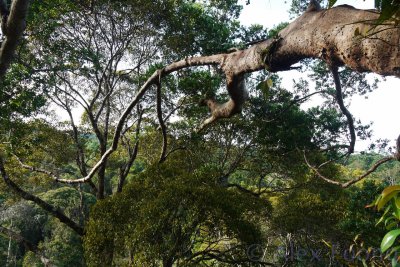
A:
[(13, 26), (331, 35)]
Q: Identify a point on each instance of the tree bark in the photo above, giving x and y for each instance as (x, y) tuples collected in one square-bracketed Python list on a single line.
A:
[(13, 26), (56, 212), (340, 36), (330, 35)]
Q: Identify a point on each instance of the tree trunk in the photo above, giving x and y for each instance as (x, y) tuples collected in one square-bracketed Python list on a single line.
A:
[(13, 24)]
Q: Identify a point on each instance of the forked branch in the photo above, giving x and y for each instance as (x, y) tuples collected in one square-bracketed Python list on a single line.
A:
[(353, 181)]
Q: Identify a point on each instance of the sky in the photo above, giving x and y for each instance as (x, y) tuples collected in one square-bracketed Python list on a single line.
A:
[(382, 105)]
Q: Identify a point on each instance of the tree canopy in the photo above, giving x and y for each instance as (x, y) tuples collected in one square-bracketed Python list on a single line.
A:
[(178, 144)]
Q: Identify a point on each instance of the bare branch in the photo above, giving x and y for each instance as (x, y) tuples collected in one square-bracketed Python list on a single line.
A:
[(174, 150), (56, 212), (353, 181), (209, 60), (51, 174), (345, 111), (124, 171)]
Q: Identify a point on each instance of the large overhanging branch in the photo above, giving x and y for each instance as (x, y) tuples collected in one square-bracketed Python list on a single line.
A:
[(13, 25), (330, 35), (325, 34)]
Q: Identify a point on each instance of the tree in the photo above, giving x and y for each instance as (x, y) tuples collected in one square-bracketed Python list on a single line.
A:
[(179, 215), (88, 70), (13, 21), (293, 44)]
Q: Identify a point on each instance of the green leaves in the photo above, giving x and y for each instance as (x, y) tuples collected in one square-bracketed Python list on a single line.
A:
[(265, 87), (331, 3), (389, 239), (390, 11), (388, 8), (391, 216), (161, 211), (387, 194)]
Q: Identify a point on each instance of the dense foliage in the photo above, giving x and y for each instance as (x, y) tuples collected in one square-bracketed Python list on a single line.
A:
[(240, 193)]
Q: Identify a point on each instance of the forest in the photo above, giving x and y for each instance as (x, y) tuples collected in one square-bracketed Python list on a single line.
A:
[(159, 133)]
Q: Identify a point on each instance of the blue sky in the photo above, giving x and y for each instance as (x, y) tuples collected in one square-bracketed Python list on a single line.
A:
[(382, 106)]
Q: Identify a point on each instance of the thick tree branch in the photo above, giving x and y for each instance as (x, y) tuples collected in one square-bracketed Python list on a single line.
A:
[(330, 35), (13, 26), (238, 93), (325, 34), (56, 212)]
